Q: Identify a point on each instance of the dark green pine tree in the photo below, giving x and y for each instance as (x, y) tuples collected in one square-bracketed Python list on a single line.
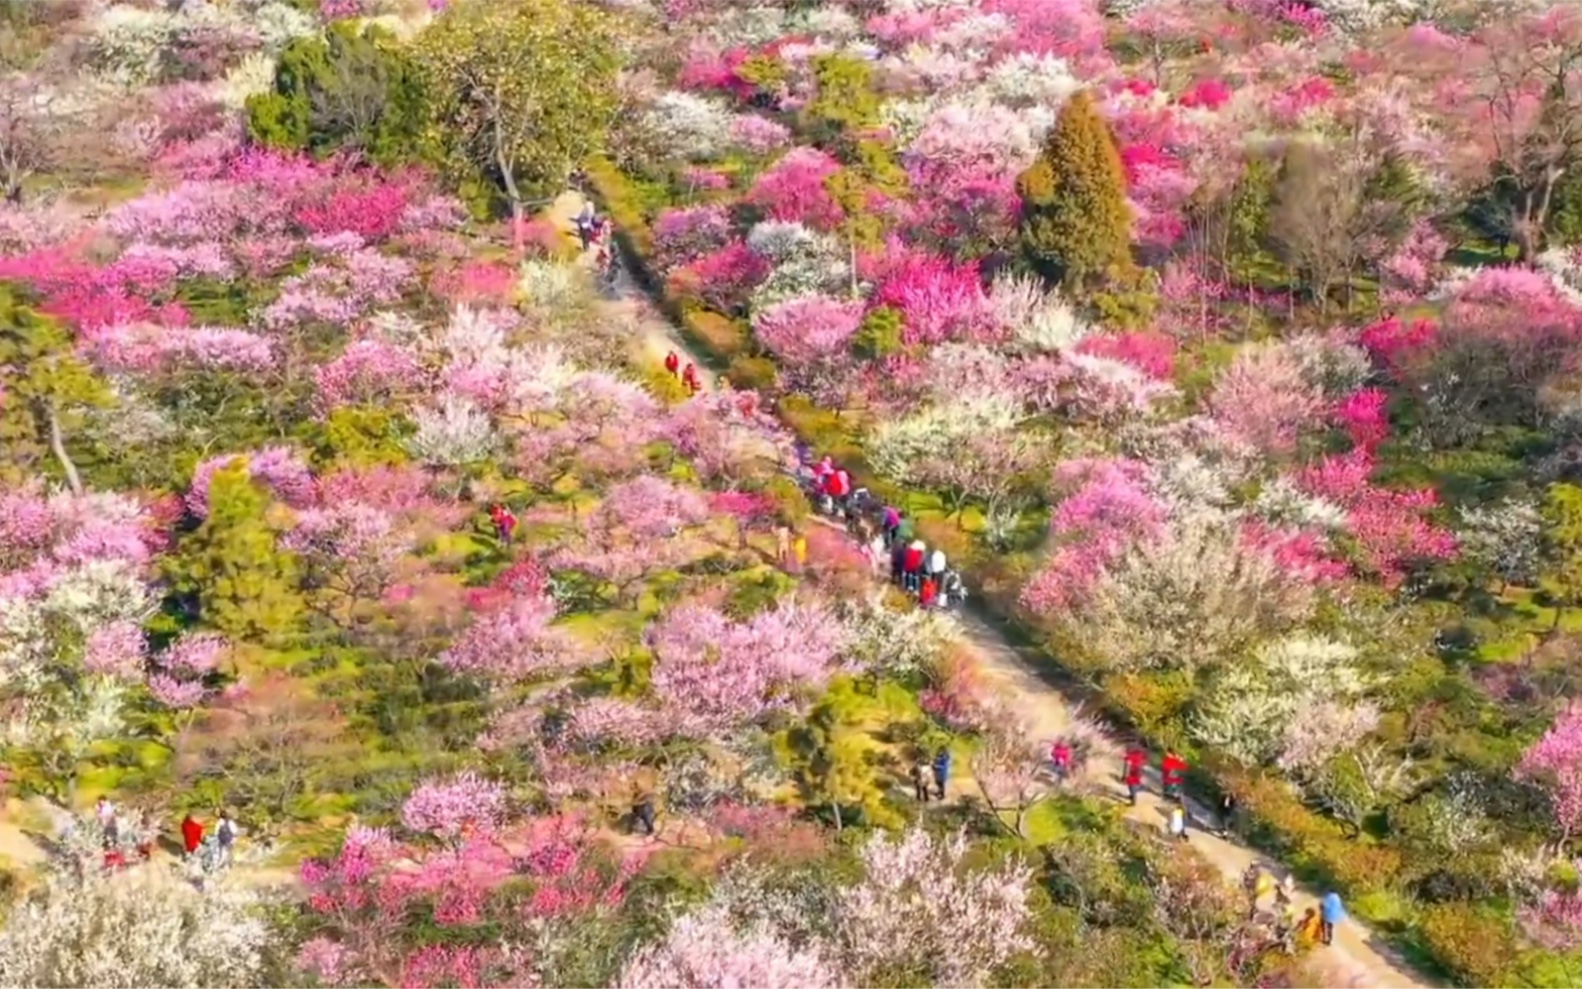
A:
[(1076, 223)]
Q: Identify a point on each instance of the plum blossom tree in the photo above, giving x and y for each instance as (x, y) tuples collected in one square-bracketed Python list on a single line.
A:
[(516, 643), (708, 949), (1554, 763), (919, 910), (143, 927), (722, 674), (1264, 400), (463, 806), (1191, 600)]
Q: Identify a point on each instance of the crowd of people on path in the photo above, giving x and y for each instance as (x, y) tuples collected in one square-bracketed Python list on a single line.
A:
[(205, 853), (885, 533), (598, 233)]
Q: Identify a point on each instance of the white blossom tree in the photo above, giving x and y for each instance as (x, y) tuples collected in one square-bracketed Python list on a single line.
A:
[(918, 906), (140, 928)]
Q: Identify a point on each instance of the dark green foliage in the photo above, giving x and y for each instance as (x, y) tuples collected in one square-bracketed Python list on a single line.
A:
[(1076, 224), (344, 92)]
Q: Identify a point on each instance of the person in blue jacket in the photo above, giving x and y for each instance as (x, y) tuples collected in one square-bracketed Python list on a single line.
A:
[(1331, 912), (942, 770)]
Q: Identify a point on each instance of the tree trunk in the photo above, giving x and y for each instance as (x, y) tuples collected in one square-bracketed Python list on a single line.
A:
[(834, 805), (57, 446), (508, 180)]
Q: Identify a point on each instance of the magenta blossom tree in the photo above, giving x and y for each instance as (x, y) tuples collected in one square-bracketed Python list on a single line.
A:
[(1554, 763)]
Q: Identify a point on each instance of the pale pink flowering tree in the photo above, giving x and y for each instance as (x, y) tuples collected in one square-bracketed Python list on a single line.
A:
[(725, 674), (918, 902), (277, 468), (516, 643), (350, 550), (366, 372), (1554, 920), (463, 806), (725, 444), (1554, 763), (118, 650), (709, 949), (1264, 400)]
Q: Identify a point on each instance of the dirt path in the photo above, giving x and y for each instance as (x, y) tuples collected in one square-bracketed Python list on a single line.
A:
[(1358, 956), (656, 336)]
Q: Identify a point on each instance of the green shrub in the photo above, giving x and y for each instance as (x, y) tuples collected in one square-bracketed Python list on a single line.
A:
[(879, 335), (1472, 945), (752, 373), (721, 336), (346, 91)]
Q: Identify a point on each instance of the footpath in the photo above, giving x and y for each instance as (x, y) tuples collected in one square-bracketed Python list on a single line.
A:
[(1358, 957)]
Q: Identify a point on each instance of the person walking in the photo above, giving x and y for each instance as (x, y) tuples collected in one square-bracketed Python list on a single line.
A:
[(504, 522), (891, 523), (1331, 912), (672, 364), (912, 566), (225, 833), (942, 770), (927, 593), (1060, 755), (1172, 773), (689, 377), (1136, 758), (642, 809), (1178, 823), (1227, 813), (920, 775), (104, 812), (584, 223), (191, 835), (799, 551), (936, 564)]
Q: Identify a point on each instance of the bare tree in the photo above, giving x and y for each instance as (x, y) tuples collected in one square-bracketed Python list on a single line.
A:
[(1316, 214), (1531, 107), (31, 124)]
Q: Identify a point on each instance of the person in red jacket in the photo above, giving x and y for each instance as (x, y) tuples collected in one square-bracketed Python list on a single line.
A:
[(912, 566), (1172, 772), (1060, 755), (928, 593), (504, 522), (191, 834), (689, 377), (672, 363), (748, 404), (1135, 759)]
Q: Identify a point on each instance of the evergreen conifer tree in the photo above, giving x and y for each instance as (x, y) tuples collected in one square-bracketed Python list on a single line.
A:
[(1076, 223)]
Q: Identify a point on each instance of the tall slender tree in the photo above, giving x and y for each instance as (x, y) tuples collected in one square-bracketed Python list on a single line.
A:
[(1076, 223)]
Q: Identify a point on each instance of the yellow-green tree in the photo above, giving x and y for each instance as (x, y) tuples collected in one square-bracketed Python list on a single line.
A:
[(44, 390), (233, 566), (519, 92), (1076, 223), (1562, 573), (836, 761)]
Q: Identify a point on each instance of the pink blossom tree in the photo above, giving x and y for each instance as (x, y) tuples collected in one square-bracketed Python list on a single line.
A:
[(1264, 400), (464, 806), (793, 189), (1554, 763)]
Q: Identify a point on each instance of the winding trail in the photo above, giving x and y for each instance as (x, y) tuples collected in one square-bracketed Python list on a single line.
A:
[(1358, 957)]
